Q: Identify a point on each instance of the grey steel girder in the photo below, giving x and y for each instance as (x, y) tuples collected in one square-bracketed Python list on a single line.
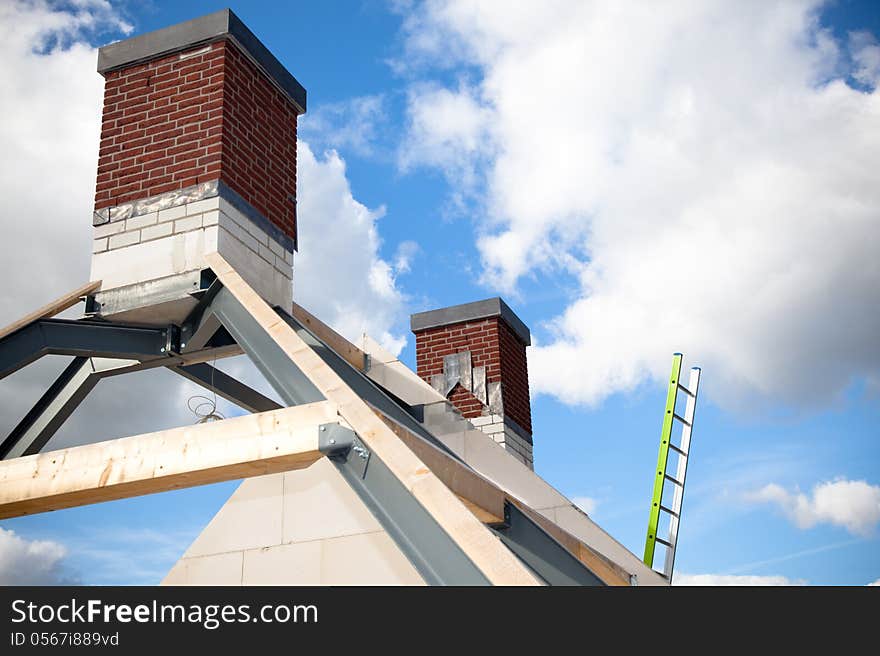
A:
[(81, 339), (541, 552), (227, 387), (435, 555), (59, 402), (285, 377)]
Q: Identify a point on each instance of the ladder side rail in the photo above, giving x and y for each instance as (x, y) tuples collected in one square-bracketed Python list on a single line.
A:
[(681, 471)]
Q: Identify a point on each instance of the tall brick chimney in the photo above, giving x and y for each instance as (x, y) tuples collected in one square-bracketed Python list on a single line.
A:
[(198, 154), (475, 355)]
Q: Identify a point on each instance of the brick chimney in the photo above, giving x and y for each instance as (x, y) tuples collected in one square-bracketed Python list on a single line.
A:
[(475, 355), (198, 154)]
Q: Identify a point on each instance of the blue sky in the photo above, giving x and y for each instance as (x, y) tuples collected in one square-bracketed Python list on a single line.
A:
[(511, 156)]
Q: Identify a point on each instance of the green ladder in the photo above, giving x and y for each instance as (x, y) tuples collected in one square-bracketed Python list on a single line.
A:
[(683, 451)]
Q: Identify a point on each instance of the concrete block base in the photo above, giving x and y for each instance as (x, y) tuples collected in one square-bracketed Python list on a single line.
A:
[(150, 264)]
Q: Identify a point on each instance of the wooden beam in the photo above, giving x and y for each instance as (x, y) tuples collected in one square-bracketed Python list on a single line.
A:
[(483, 548), (253, 445), (346, 350), (51, 309), (486, 501)]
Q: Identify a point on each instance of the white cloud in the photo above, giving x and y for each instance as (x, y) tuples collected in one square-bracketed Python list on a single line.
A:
[(704, 173), (726, 579), (447, 129), (338, 273), (854, 505), (587, 504), (866, 56), (354, 124), (31, 562), (875, 583), (51, 109), (403, 257)]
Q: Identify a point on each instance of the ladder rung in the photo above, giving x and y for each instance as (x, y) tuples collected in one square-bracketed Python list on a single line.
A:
[(664, 542), (677, 450), (681, 419), (686, 390), (673, 480), (669, 510)]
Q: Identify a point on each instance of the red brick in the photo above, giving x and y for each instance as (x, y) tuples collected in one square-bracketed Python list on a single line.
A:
[(210, 116)]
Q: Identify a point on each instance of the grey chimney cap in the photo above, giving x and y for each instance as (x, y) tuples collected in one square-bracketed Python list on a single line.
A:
[(206, 29), (491, 307)]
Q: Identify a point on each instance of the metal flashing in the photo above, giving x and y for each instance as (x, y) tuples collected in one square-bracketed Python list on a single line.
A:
[(192, 194)]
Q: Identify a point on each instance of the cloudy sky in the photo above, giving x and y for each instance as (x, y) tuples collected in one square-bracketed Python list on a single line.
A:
[(633, 181)]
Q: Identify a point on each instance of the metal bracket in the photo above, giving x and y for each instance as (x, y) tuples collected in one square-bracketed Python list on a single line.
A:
[(201, 324), (172, 339), (342, 445), (335, 440)]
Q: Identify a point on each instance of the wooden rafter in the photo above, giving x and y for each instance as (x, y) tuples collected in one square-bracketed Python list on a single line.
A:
[(253, 445), (346, 350), (51, 309)]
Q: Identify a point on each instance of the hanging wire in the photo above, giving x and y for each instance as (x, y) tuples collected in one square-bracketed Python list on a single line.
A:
[(205, 407)]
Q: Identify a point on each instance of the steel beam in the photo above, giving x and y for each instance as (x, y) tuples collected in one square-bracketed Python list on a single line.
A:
[(537, 549), (435, 555), (285, 377), (59, 402), (80, 339), (202, 324), (227, 387)]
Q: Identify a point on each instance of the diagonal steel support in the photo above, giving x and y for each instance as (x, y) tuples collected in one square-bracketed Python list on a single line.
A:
[(81, 339), (59, 402), (431, 550), (285, 377), (435, 555), (227, 387), (202, 324), (537, 549)]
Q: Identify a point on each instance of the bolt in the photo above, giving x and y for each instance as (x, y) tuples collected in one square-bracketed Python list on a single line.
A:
[(323, 428), (182, 344), (332, 441), (162, 350)]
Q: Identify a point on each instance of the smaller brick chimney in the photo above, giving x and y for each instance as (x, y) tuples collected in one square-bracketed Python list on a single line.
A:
[(475, 355)]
